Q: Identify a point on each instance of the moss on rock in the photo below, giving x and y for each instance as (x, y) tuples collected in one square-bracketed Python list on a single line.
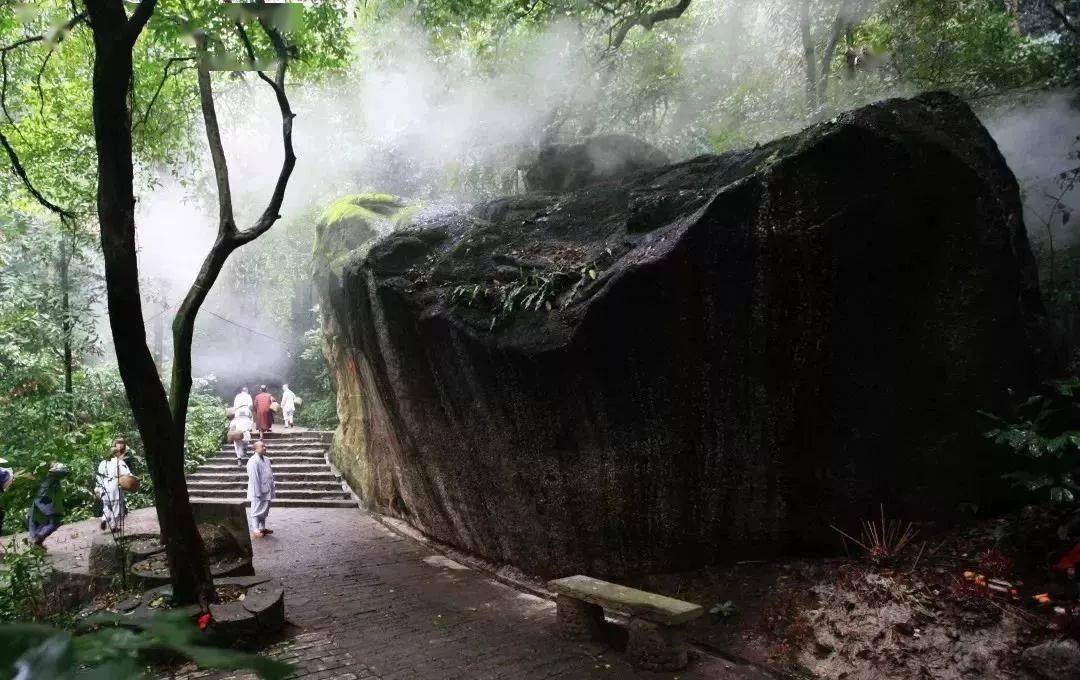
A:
[(350, 224)]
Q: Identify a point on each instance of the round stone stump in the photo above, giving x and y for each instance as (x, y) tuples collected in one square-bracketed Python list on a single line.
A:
[(106, 556), (578, 620), (148, 576), (241, 622), (654, 647), (260, 613)]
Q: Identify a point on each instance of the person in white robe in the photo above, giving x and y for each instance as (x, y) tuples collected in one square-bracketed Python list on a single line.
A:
[(288, 405), (242, 423), (260, 490), (108, 489), (242, 398)]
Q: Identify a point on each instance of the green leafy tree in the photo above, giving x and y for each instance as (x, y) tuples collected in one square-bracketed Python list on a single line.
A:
[(221, 41)]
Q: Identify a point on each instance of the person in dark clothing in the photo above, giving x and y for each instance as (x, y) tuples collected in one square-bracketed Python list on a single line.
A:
[(47, 509), (7, 475)]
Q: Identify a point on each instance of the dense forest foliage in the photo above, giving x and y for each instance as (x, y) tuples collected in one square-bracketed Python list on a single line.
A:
[(436, 101)]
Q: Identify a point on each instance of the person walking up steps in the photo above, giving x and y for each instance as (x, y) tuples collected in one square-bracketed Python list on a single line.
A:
[(242, 424), (242, 398), (260, 489), (264, 414), (289, 402)]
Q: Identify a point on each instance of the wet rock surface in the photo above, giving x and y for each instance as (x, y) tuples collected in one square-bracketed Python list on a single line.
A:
[(1054, 660), (699, 361), (564, 167)]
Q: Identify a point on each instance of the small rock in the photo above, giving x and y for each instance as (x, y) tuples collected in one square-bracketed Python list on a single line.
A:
[(905, 628), (1054, 660)]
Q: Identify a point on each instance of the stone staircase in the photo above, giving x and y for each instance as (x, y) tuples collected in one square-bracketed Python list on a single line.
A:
[(303, 477)]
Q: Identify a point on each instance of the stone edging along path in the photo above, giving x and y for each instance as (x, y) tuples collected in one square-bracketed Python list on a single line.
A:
[(508, 574)]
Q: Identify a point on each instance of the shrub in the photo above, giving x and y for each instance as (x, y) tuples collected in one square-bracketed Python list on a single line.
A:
[(78, 430), (318, 414), (107, 646), (1043, 436), (23, 575)]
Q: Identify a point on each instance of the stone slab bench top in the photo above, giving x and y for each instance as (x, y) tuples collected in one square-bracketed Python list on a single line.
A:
[(639, 603)]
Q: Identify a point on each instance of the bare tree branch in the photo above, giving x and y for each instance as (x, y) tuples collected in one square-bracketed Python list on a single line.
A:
[(226, 220), (228, 237), (271, 214), (37, 82), (1063, 18), (56, 37), (646, 21), (806, 33), (161, 84), (20, 172), (845, 17), (139, 18)]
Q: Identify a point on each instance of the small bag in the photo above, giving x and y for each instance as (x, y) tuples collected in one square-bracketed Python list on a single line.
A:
[(298, 402), (129, 483), (230, 412), (275, 407), (234, 436)]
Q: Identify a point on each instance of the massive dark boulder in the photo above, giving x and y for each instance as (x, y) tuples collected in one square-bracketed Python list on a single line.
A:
[(565, 167), (697, 362)]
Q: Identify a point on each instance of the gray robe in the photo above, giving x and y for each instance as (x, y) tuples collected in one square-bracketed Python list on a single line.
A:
[(260, 490)]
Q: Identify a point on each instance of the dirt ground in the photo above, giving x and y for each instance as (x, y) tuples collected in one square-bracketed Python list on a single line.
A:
[(954, 604)]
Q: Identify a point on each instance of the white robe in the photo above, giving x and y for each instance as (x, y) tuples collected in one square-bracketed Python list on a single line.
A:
[(242, 399), (288, 402), (260, 490), (241, 422), (109, 473)]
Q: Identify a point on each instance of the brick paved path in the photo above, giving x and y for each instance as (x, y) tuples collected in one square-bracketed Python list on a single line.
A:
[(371, 604)]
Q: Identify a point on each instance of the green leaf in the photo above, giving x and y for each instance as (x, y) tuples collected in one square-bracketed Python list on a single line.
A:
[(228, 659), (52, 658)]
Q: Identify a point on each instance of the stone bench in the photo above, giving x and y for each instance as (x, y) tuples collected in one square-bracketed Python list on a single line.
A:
[(657, 638)]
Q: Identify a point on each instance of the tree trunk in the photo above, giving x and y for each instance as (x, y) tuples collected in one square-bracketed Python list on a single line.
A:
[(64, 267), (809, 57), (159, 331), (114, 37)]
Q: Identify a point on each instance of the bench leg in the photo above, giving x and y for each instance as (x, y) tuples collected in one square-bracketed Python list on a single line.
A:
[(578, 620), (655, 647)]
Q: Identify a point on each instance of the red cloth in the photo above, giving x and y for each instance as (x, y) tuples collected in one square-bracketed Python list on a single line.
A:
[(1069, 559), (264, 417)]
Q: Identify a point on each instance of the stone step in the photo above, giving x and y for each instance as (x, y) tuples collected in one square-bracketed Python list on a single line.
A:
[(332, 486), (281, 493), (278, 467), (275, 447), (275, 452), (288, 442), (294, 436), (241, 477), (292, 442), (284, 458), (272, 454), (284, 502)]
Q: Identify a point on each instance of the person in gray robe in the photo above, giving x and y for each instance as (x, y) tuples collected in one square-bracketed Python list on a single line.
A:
[(260, 490)]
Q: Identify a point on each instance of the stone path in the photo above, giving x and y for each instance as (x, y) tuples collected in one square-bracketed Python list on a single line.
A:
[(367, 603), (372, 604)]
